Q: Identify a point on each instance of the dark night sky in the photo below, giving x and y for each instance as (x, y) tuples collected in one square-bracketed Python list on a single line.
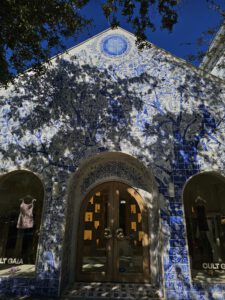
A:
[(195, 17)]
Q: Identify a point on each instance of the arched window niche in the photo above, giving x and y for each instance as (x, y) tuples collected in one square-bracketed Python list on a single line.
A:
[(204, 205), (21, 202)]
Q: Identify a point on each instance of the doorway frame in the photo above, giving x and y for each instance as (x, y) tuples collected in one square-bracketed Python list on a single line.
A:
[(112, 166)]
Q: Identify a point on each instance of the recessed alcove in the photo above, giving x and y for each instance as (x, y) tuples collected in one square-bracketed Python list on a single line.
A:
[(205, 220), (21, 201), (103, 169)]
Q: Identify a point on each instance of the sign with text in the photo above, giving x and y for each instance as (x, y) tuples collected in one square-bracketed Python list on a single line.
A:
[(213, 266), (11, 261)]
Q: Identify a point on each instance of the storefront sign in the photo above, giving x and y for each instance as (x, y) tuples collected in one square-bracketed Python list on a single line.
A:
[(213, 266), (11, 261)]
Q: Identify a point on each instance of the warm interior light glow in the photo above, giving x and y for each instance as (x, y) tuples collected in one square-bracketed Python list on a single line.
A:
[(87, 235), (133, 208)]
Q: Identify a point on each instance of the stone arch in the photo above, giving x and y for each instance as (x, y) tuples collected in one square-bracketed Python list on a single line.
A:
[(21, 235), (204, 206), (104, 167)]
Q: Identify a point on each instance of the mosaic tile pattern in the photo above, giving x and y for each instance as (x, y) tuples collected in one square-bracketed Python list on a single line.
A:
[(118, 169), (115, 45), (163, 112)]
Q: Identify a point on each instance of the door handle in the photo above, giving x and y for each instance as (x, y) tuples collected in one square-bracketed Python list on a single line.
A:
[(107, 233), (119, 234)]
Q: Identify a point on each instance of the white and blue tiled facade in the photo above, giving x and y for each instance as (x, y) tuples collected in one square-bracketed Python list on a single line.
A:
[(105, 96)]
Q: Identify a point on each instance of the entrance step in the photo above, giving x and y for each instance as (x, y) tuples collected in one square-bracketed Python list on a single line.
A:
[(110, 291)]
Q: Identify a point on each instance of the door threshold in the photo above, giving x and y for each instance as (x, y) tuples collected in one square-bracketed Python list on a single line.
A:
[(110, 291)]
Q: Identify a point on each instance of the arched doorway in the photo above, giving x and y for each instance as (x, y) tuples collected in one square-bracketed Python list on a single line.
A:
[(104, 168), (113, 235), (205, 219)]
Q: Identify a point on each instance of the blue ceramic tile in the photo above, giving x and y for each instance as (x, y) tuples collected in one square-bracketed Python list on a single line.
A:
[(176, 220), (115, 45), (177, 243)]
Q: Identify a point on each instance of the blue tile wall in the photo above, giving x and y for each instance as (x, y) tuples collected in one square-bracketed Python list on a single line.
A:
[(107, 96)]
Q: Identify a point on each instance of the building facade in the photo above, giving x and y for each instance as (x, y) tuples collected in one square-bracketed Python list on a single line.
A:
[(214, 60), (112, 171)]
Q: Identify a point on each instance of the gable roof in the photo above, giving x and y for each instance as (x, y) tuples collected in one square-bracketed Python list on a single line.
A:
[(74, 49), (201, 71)]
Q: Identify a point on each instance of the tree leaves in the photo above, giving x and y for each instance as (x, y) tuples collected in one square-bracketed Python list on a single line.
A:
[(29, 30)]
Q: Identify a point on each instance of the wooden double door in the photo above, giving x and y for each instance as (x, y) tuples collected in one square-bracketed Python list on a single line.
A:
[(113, 240)]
